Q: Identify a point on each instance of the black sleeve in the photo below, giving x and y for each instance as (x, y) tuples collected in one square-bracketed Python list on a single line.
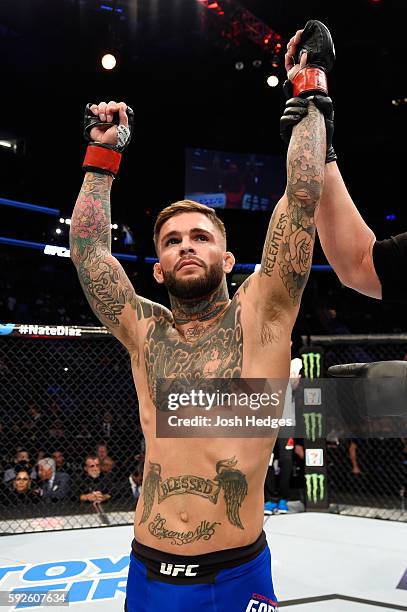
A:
[(390, 262)]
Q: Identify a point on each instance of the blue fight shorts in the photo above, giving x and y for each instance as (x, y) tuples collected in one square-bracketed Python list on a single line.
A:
[(233, 580)]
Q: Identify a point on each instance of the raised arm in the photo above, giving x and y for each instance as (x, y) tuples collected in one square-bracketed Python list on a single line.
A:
[(346, 239), (287, 253), (103, 280), (105, 284)]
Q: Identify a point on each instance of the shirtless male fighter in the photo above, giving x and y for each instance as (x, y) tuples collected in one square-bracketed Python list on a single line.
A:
[(193, 549)]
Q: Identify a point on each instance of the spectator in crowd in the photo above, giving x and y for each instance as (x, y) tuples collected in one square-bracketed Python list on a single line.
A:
[(117, 478), (32, 428), (101, 451), (21, 461), (53, 486), (136, 480), (41, 454), (57, 432), (83, 435), (93, 486), (108, 429), (353, 456), (14, 433), (20, 491), (81, 441), (277, 483), (61, 464), (107, 465)]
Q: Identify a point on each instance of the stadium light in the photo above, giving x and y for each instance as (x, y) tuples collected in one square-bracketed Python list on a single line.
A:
[(272, 80), (109, 61)]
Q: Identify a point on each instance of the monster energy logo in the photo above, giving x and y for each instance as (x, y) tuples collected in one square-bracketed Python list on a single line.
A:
[(313, 425), (315, 487), (312, 365)]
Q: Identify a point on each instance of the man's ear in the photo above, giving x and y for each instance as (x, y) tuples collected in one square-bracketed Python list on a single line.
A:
[(158, 274), (228, 262)]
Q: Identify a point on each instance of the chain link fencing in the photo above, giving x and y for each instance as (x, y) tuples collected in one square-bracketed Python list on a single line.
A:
[(67, 393), (366, 476)]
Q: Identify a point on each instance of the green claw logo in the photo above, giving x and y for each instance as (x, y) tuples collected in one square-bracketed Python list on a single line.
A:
[(312, 365), (315, 487), (313, 425)]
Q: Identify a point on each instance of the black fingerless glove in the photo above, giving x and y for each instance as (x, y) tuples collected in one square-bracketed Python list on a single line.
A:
[(297, 108)]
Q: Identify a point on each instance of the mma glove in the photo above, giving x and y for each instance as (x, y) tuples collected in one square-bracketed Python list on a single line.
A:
[(310, 83), (105, 158), (317, 42)]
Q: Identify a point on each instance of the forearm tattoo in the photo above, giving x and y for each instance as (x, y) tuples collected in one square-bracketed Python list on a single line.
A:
[(90, 223), (103, 279), (230, 480), (291, 234)]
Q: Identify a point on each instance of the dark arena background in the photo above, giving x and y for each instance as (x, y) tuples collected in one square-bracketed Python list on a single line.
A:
[(196, 74)]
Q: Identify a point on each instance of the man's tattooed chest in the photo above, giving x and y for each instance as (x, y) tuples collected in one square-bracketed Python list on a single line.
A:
[(218, 354)]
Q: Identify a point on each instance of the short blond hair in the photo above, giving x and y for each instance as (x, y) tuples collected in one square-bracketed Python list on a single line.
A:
[(186, 206)]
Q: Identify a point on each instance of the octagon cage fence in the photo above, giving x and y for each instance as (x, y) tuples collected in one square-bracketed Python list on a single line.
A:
[(67, 393)]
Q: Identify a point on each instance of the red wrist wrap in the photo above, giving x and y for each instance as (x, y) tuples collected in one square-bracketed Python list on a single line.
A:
[(309, 79), (102, 158)]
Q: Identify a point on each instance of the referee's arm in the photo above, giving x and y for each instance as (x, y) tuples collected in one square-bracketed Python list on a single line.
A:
[(369, 266)]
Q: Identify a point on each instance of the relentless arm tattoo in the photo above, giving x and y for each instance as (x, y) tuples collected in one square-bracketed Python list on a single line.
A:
[(231, 480), (103, 279), (291, 234)]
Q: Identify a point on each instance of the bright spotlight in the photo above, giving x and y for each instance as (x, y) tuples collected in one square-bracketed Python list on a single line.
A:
[(272, 81), (108, 61), (58, 231), (61, 220)]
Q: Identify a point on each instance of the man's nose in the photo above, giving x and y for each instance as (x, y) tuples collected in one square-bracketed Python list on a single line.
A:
[(186, 246)]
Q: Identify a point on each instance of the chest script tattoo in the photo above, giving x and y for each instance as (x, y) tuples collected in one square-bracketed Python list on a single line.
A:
[(229, 479)]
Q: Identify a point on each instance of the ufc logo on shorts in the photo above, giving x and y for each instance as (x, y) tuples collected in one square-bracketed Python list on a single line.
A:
[(173, 570)]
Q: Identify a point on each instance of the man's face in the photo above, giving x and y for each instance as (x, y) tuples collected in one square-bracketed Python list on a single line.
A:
[(58, 458), (22, 482), (107, 465), (101, 452), (137, 478), (44, 473), (92, 467), (191, 256), (22, 456)]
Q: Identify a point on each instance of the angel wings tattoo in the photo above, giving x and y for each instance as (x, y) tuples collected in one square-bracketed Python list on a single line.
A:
[(230, 480)]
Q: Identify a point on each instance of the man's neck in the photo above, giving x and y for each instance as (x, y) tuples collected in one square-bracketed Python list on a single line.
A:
[(192, 317)]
